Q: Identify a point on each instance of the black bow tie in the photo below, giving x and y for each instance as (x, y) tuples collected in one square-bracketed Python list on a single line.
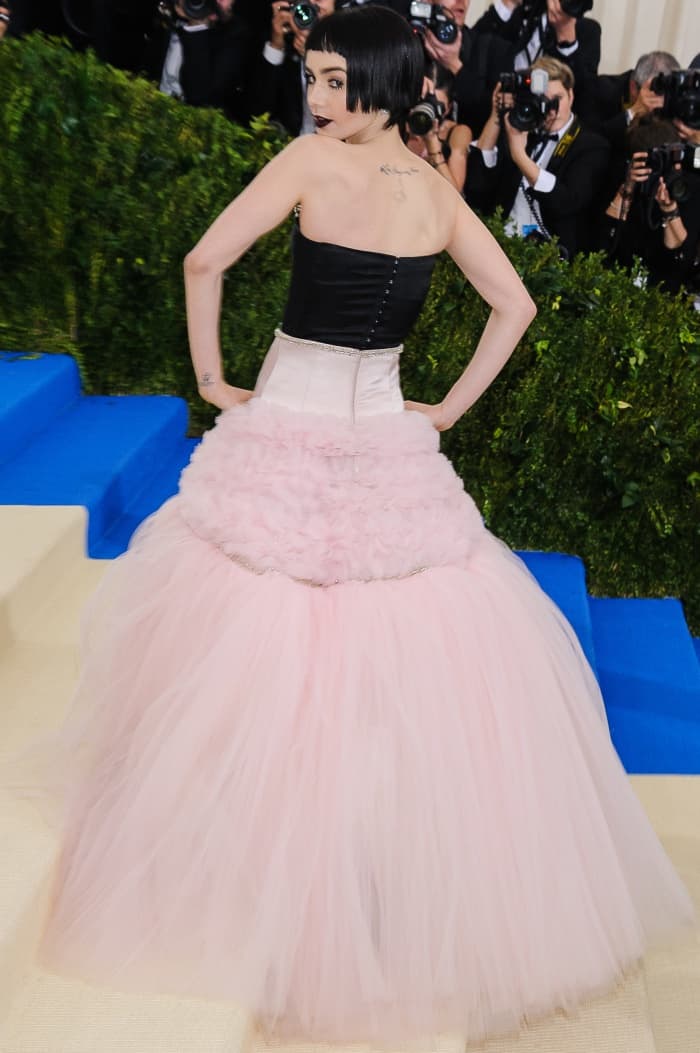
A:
[(552, 137)]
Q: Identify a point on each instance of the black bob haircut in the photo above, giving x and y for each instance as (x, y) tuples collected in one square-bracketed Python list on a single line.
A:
[(384, 58)]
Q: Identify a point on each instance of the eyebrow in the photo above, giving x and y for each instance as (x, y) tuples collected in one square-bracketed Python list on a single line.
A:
[(330, 69)]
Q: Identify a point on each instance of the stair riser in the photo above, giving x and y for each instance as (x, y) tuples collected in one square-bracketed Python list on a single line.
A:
[(19, 607), (30, 413)]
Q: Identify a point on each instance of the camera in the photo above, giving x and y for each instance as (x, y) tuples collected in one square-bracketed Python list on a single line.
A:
[(664, 162), (420, 118), (194, 10), (681, 91), (423, 15), (572, 8), (303, 13), (531, 107)]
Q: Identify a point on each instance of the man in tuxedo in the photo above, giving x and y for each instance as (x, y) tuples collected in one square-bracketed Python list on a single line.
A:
[(277, 83), (545, 28), (547, 183), (618, 99), (475, 60), (203, 61)]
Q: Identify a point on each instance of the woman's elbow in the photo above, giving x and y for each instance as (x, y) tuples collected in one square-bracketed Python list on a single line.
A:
[(196, 262)]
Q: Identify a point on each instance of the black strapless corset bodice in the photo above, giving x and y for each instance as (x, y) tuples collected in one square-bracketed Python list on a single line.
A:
[(353, 297)]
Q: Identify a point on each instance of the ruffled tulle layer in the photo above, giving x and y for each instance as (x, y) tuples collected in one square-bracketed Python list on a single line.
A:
[(368, 812), (323, 499)]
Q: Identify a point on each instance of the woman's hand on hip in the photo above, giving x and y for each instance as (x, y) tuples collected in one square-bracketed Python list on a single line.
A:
[(223, 395), (435, 414)]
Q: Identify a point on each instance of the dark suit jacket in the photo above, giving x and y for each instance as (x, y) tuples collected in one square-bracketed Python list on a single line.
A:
[(583, 62), (129, 34), (484, 58), (566, 209), (668, 267), (215, 64), (277, 90)]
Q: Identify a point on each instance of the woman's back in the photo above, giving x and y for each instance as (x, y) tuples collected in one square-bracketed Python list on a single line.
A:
[(368, 197)]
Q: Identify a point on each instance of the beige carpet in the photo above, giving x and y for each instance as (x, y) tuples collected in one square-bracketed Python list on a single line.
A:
[(44, 581)]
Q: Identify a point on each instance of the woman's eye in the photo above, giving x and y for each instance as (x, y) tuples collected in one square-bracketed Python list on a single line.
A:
[(336, 84), (308, 76)]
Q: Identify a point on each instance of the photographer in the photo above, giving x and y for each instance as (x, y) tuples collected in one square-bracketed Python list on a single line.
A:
[(475, 60), (277, 85), (195, 50), (546, 179), (557, 28), (434, 135), (655, 213), (618, 100)]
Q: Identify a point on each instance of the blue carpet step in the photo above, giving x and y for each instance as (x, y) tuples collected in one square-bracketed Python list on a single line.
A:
[(34, 389), (100, 453), (653, 744), (563, 578), (649, 674), (155, 492)]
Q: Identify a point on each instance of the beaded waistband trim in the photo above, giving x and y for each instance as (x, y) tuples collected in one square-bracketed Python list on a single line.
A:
[(318, 584), (338, 349)]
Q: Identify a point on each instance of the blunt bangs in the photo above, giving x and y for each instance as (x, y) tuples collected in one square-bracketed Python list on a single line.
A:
[(384, 58)]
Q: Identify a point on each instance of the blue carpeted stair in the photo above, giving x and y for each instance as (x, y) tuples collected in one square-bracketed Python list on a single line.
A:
[(121, 457)]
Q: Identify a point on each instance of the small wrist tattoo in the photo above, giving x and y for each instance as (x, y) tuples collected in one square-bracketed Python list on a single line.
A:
[(206, 380)]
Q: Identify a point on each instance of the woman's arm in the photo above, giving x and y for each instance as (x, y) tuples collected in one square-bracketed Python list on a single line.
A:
[(263, 205), (482, 261), (460, 140)]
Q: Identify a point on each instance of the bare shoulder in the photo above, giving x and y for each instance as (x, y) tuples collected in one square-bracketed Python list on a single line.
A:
[(312, 152), (449, 206)]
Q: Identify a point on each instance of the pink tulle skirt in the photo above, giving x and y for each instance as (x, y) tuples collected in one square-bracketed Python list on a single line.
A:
[(336, 757)]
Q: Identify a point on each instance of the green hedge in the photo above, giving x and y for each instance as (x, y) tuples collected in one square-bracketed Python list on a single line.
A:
[(588, 442)]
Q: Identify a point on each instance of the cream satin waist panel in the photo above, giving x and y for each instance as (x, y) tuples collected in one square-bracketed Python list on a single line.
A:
[(324, 378)]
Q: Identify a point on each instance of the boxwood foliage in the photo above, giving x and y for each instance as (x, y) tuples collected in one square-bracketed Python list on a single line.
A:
[(589, 440)]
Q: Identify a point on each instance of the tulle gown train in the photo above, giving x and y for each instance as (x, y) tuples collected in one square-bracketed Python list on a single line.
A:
[(334, 755)]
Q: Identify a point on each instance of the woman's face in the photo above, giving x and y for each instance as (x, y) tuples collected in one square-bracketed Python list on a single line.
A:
[(326, 93)]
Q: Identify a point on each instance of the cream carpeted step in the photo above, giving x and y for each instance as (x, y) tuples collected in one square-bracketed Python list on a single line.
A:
[(44, 573), (673, 977), (59, 1015), (27, 852)]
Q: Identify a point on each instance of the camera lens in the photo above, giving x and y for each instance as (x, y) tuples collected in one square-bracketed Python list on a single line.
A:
[(304, 15), (446, 32), (420, 119)]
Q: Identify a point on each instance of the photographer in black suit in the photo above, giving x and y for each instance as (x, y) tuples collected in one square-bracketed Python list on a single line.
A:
[(277, 83), (545, 180), (474, 60), (197, 52), (618, 99), (655, 213), (556, 28)]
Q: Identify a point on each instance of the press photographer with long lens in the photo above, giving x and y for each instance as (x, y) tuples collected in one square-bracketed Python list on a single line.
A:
[(474, 60), (557, 28), (618, 100), (277, 85), (536, 160), (655, 213), (432, 132)]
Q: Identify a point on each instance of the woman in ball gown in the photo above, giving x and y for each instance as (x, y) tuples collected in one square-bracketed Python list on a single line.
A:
[(334, 755)]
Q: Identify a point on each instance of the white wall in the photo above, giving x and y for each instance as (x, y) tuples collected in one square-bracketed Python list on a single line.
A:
[(632, 27)]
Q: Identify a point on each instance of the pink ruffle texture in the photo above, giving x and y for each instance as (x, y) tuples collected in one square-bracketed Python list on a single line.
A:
[(325, 500), (369, 812)]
